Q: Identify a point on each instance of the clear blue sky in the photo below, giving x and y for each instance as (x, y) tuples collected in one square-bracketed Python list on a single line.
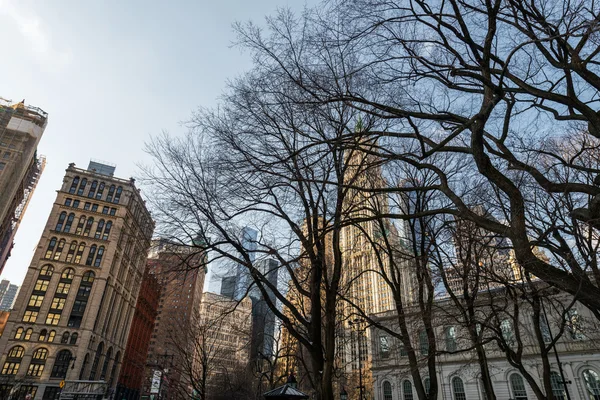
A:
[(111, 74)]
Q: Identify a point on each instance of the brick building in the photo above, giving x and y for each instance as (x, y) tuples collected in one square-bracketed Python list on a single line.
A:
[(136, 352), (72, 315), (180, 271)]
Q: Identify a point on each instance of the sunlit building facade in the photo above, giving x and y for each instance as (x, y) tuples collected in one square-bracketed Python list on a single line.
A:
[(72, 315)]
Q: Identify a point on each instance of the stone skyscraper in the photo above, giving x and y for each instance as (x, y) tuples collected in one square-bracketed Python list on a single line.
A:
[(72, 316), (21, 128)]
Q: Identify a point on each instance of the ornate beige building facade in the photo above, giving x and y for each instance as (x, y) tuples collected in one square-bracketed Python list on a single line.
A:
[(72, 316)]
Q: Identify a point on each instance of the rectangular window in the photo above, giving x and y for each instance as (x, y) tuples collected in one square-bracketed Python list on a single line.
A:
[(68, 202), (2, 165), (41, 285), (52, 319), (95, 207), (574, 324), (104, 210), (6, 155), (58, 303), (35, 300), (10, 368), (30, 316), (423, 343), (35, 369), (87, 206), (76, 204), (63, 288), (113, 211), (384, 347)]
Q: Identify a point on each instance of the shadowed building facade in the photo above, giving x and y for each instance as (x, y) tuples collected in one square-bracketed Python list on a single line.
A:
[(180, 271), (21, 128), (132, 373), (72, 315)]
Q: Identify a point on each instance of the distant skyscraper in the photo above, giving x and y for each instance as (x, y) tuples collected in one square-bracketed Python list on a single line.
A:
[(228, 284), (21, 128), (8, 298), (78, 297), (263, 318), (3, 287)]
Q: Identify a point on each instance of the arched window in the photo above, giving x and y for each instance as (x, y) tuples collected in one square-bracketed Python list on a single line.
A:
[(79, 253), (28, 334), (71, 252), (61, 364), (13, 361), (61, 221), (73, 339), (38, 361), (96, 361), (47, 271), (51, 336), (67, 274), (88, 226), (88, 277), (407, 390), (106, 362), (458, 389), (99, 228), (100, 191), (118, 195), (387, 390), (19, 333), (82, 186), (111, 193), (592, 384), (518, 387), (74, 185), (51, 246), (558, 389), (59, 249), (69, 223), (451, 338), (65, 338), (80, 225), (114, 368), (43, 334), (91, 254), (107, 230), (86, 360), (98, 259), (93, 187)]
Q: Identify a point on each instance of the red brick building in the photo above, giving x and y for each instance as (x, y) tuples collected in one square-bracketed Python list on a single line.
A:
[(132, 372), (180, 271)]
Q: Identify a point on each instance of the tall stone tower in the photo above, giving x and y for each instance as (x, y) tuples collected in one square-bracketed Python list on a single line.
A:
[(72, 316)]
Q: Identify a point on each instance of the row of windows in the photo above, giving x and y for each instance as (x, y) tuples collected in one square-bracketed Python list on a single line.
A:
[(96, 190), (573, 324), (59, 300), (38, 362), (75, 251), (45, 336), (517, 386), (84, 226), (90, 206)]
